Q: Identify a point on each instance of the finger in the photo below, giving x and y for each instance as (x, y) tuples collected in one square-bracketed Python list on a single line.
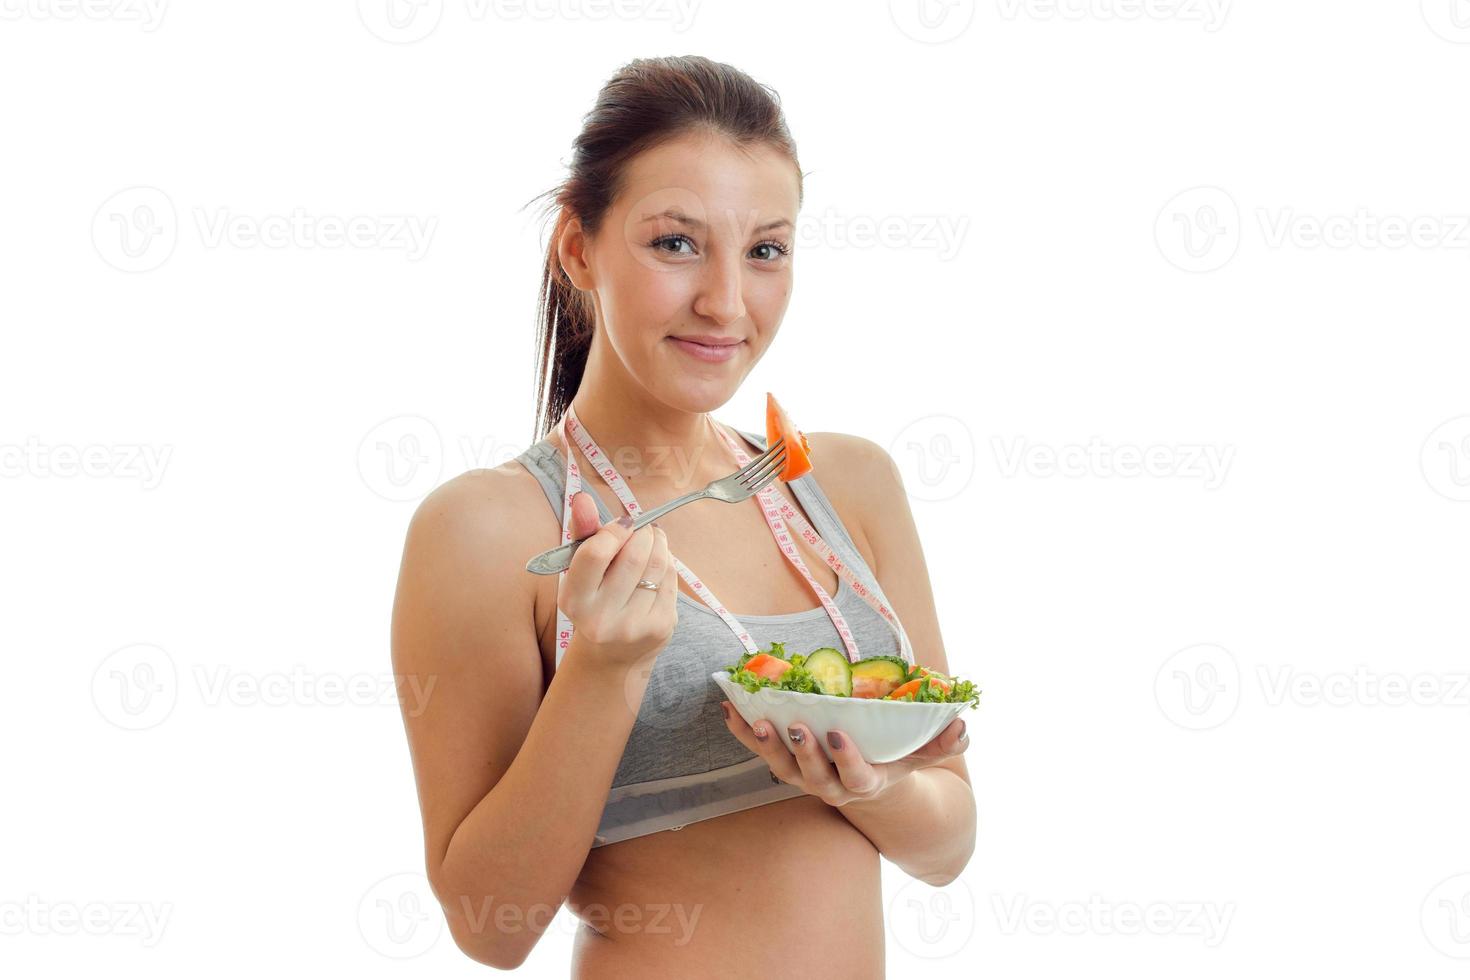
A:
[(668, 588), (855, 773), (626, 567), (816, 771), (653, 571), (590, 562), (585, 517), (950, 742), (771, 750), (947, 744)]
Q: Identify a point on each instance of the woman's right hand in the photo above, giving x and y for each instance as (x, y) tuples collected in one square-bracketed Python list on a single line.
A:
[(618, 622)]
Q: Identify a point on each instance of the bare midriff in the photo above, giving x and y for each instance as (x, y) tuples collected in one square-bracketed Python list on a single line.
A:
[(788, 889)]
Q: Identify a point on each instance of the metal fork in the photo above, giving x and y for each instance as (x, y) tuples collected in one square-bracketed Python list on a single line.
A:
[(745, 482)]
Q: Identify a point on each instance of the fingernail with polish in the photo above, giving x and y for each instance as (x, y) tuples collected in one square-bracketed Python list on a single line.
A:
[(834, 740), (725, 710), (964, 736), (760, 732), (795, 735)]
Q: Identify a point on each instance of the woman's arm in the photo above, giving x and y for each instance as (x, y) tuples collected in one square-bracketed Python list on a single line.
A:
[(926, 825), (511, 786)]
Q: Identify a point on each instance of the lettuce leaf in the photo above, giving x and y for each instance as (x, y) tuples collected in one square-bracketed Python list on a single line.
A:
[(798, 678), (929, 691)]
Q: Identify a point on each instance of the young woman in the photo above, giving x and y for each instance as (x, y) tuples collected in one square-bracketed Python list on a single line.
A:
[(574, 748)]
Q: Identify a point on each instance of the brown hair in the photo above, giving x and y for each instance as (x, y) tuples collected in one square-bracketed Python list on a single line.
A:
[(650, 101)]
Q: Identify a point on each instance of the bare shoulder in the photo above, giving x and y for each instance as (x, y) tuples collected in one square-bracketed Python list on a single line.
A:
[(480, 507), (473, 533), (849, 465), (858, 476), (847, 451)]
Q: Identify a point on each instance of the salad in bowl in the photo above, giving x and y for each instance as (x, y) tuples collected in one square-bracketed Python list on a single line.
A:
[(888, 707)]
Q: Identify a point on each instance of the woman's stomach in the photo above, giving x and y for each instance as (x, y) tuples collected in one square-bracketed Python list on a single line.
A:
[(783, 889)]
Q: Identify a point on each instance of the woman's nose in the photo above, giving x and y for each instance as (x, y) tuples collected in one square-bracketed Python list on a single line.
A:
[(720, 292)]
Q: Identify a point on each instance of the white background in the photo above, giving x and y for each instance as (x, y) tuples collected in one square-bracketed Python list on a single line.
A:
[(1228, 700)]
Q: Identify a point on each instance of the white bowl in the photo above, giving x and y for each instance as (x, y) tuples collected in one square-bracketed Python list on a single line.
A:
[(882, 730)]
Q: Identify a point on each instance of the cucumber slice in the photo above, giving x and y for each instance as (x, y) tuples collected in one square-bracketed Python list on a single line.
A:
[(831, 671), (884, 668), (876, 676)]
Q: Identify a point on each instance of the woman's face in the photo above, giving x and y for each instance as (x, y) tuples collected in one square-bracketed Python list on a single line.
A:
[(698, 243)]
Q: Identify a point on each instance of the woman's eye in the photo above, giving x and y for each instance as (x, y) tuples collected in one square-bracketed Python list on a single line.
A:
[(659, 243), (774, 250)]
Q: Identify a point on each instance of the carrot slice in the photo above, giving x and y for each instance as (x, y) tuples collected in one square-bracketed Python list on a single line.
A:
[(912, 686), (798, 452), (765, 665)]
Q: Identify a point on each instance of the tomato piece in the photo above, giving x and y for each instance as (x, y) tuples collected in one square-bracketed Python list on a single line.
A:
[(767, 666), (798, 451), (870, 687)]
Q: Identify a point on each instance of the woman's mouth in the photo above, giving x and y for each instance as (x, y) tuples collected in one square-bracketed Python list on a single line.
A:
[(707, 352)]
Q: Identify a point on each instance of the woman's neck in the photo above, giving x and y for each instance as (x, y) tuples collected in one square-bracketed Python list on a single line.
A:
[(651, 444)]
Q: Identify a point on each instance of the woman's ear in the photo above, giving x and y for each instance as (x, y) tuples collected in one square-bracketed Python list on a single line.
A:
[(571, 252)]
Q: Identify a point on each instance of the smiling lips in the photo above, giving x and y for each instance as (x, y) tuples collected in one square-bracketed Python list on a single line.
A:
[(711, 349)]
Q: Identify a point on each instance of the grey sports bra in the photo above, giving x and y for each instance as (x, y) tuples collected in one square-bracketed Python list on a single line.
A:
[(680, 763)]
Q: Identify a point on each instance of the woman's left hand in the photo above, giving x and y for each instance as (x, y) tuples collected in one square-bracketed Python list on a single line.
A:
[(851, 778)]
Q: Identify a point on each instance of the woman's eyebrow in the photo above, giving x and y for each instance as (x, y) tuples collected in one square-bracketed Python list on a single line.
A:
[(675, 215)]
